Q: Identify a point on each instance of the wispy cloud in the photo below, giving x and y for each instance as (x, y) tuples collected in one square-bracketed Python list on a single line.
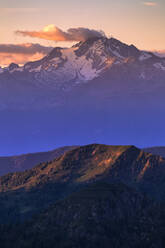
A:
[(21, 53), (54, 33), (150, 4)]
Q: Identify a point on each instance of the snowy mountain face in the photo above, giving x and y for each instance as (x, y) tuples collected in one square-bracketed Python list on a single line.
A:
[(85, 61), (44, 83)]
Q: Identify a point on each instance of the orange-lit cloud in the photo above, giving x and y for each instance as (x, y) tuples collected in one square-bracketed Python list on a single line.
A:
[(6, 59), (21, 53), (150, 4), (54, 33)]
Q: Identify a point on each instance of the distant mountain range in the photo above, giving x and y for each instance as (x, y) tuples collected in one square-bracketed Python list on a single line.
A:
[(28, 161), (160, 53), (98, 91), (158, 150), (94, 194)]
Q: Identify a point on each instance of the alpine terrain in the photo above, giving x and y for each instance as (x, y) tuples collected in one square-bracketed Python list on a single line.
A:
[(100, 87)]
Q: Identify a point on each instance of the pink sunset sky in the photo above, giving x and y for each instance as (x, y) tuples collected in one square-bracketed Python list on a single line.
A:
[(29, 29)]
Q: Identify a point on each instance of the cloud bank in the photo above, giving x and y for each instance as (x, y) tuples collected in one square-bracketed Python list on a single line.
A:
[(54, 33), (27, 48), (21, 53)]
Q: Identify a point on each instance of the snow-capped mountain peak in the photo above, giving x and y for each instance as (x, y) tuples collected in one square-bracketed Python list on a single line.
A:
[(85, 61)]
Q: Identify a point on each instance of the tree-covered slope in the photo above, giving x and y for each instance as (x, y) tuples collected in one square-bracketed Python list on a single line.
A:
[(100, 215), (26, 193)]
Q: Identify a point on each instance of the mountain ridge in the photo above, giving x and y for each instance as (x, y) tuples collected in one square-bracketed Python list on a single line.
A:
[(26, 193), (156, 150), (86, 163), (26, 161)]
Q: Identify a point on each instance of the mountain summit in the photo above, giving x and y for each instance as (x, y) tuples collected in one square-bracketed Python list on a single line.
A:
[(63, 69), (85, 61)]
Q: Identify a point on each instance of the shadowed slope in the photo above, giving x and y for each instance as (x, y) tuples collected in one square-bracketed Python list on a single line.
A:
[(100, 215)]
